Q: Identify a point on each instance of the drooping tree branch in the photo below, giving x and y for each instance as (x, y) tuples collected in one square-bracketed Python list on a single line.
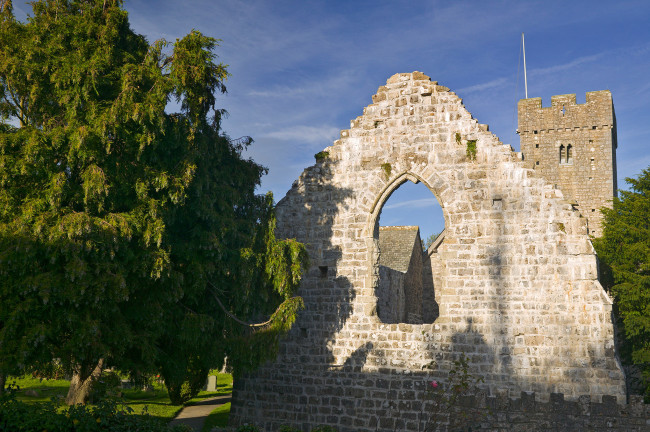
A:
[(234, 318)]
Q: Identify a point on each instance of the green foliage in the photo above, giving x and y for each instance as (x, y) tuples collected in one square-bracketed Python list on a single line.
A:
[(154, 402), (471, 149), (445, 399), (184, 384), (117, 217), (106, 415), (107, 386), (387, 169), (321, 156), (217, 418), (458, 138), (624, 254), (430, 240)]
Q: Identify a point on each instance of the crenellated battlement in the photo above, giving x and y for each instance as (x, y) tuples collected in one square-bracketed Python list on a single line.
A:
[(597, 113)]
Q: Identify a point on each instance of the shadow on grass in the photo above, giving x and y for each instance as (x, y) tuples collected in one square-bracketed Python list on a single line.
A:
[(154, 403), (217, 418)]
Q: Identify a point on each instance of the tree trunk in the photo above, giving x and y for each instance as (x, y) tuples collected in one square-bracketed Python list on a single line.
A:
[(3, 381), (81, 384)]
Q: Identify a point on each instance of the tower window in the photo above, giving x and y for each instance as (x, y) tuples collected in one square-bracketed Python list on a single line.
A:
[(566, 154), (537, 163), (563, 111), (536, 145)]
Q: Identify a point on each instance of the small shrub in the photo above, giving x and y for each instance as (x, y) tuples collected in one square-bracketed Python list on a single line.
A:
[(458, 138), (285, 428), (321, 156), (183, 385), (445, 399), (108, 385)]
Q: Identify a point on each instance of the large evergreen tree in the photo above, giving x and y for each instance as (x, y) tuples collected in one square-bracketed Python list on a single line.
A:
[(624, 254), (128, 236)]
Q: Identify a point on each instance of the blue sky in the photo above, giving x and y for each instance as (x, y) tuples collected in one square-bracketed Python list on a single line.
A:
[(301, 70)]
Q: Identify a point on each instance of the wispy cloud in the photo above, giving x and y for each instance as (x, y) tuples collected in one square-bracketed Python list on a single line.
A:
[(570, 65), (310, 87), (413, 204), (305, 134), (499, 82)]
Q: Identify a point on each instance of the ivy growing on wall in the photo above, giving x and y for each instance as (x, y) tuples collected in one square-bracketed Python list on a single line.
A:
[(387, 169), (471, 149)]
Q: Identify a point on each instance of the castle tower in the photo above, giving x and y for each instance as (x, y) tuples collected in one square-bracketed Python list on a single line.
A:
[(574, 147)]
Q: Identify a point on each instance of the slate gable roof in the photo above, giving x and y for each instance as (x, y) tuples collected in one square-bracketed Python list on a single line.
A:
[(396, 245)]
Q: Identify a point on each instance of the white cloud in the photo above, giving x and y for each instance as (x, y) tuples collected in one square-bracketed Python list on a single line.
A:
[(499, 82), (331, 84), (413, 204), (306, 134), (570, 65)]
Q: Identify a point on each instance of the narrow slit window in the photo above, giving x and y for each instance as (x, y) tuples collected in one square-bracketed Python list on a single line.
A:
[(569, 154), (562, 156)]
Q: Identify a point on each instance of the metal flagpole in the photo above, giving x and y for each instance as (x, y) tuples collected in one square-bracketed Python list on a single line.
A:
[(523, 44)]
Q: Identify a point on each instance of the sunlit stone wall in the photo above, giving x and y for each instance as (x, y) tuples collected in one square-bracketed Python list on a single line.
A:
[(516, 280)]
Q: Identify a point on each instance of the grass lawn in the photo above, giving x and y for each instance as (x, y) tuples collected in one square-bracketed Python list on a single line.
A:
[(217, 418), (156, 403)]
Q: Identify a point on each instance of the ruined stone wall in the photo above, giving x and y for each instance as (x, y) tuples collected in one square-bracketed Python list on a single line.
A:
[(517, 293), (588, 175), (351, 401), (391, 296), (413, 283)]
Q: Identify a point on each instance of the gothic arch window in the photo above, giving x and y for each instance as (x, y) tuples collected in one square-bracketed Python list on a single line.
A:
[(562, 155), (569, 154), (408, 264)]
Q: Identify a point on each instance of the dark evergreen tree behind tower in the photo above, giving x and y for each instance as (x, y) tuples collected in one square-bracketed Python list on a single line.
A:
[(128, 236)]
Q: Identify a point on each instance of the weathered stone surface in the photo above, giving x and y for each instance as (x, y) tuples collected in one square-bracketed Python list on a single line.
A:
[(515, 280)]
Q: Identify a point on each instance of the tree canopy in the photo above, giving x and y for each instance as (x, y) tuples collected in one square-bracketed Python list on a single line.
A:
[(129, 236), (624, 254)]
